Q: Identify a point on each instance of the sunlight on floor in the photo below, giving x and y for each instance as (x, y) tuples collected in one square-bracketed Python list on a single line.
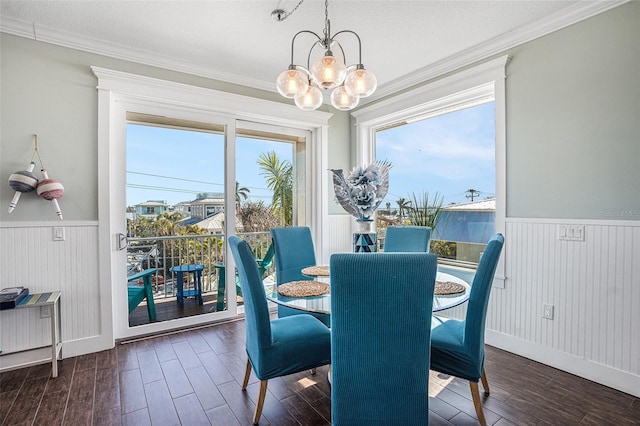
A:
[(437, 382), (307, 382)]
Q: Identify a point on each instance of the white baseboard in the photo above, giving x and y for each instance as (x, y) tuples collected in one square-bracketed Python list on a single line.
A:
[(86, 346), (605, 375)]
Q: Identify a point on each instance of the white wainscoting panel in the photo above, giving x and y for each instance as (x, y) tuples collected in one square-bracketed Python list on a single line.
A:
[(594, 287), (337, 238), (31, 258)]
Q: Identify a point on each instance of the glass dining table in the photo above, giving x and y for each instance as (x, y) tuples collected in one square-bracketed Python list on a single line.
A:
[(444, 297)]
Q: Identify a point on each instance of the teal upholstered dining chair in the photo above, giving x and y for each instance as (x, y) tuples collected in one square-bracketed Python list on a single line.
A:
[(457, 346), (381, 309), (294, 250), (407, 239), (275, 347)]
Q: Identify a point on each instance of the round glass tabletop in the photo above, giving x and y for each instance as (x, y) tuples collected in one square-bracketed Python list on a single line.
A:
[(322, 304)]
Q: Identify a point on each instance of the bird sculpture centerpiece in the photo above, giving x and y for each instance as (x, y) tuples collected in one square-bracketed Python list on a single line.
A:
[(360, 194)]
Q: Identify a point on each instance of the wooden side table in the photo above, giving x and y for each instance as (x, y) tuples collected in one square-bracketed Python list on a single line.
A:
[(31, 357)]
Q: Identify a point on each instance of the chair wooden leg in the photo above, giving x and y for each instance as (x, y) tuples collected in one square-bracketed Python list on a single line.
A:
[(260, 404), (475, 394), (485, 382), (247, 373)]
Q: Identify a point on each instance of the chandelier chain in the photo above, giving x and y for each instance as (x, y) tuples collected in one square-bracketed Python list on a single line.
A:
[(326, 10), (291, 13), (326, 22)]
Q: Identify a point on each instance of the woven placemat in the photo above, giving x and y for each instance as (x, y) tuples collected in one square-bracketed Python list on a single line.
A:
[(316, 271), (447, 288), (303, 289)]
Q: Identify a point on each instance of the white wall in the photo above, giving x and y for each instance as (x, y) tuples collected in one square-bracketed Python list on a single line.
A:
[(594, 286), (31, 258)]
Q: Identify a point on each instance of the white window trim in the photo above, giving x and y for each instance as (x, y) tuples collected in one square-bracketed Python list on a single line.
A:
[(469, 85), (119, 90)]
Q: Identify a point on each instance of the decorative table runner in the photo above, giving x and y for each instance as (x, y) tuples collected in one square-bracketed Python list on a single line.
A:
[(446, 288), (303, 289), (316, 271)]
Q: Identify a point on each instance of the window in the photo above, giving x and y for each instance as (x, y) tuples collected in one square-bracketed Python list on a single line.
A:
[(444, 164), (466, 92)]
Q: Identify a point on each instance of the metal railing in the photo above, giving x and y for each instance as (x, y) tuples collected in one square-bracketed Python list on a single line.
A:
[(165, 252)]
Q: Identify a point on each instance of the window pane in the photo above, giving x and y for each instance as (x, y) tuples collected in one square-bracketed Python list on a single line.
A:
[(175, 211), (444, 164)]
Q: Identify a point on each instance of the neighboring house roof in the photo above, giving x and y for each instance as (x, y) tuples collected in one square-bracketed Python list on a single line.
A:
[(153, 203), (485, 205), (208, 201), (189, 221), (216, 222)]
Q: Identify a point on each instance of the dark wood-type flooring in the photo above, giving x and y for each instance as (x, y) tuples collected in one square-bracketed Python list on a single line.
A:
[(193, 378)]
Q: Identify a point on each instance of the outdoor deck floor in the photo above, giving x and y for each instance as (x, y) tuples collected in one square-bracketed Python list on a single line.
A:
[(168, 309)]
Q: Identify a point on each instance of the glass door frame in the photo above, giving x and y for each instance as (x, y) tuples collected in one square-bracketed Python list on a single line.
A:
[(119, 93)]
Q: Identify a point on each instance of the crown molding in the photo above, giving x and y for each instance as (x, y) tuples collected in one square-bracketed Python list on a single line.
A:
[(73, 41), (568, 16)]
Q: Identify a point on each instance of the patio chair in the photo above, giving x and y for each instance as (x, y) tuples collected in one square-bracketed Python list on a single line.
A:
[(294, 250), (266, 262), (380, 351), (136, 293), (264, 265), (457, 347), (407, 239), (275, 347)]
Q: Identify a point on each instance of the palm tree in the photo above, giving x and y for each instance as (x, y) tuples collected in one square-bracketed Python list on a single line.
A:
[(425, 211), (242, 193), (279, 176), (163, 226), (403, 204)]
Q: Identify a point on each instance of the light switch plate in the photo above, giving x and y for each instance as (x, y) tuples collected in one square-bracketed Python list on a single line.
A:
[(571, 232), (58, 233)]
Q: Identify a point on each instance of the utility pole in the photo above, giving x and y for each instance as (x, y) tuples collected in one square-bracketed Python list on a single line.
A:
[(472, 193)]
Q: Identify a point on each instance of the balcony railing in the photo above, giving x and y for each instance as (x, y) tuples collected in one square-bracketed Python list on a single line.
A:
[(164, 252)]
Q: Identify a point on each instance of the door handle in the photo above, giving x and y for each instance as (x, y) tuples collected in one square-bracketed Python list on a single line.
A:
[(123, 241)]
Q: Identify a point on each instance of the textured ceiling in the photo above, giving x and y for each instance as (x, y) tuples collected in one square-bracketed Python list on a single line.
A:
[(238, 41)]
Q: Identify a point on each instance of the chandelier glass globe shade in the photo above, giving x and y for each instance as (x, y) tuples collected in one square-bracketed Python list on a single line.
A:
[(343, 101), (310, 100), (291, 83), (361, 83), (328, 72)]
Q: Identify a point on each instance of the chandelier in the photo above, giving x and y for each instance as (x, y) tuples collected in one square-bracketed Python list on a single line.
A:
[(347, 83)]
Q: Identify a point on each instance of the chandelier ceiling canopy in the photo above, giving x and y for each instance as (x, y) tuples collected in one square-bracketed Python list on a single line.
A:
[(347, 83)]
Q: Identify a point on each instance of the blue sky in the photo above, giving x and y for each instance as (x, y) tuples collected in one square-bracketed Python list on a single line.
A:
[(447, 154), (175, 165)]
